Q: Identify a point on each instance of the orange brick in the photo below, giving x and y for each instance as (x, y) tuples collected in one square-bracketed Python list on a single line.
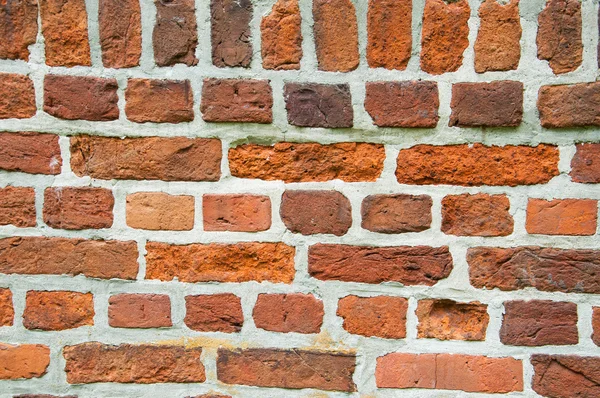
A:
[(160, 211), (379, 316), (238, 213), (58, 310), (23, 361), (562, 217)]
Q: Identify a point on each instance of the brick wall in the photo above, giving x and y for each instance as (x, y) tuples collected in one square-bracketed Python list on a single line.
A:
[(299, 198)]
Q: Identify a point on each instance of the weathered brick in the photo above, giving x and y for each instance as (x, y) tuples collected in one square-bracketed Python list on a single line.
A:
[(139, 311), (394, 214), (380, 316), (585, 165), (319, 105), (445, 35), (78, 208), (236, 213), (152, 158), (30, 153), (18, 29), (495, 104), (17, 96), (476, 215), (449, 320), (281, 36), (450, 372), (403, 104), (544, 268), (17, 207), (58, 310), (240, 262), (214, 313), (316, 212), (333, 20), (65, 30), (295, 369), (7, 311), (159, 101), (559, 35), (126, 363), (566, 376), (575, 105), (23, 361), (596, 326), (57, 256), (230, 32), (211, 396), (237, 100), (175, 36), (389, 34), (538, 322), (285, 313), (120, 33), (562, 217), (160, 211), (81, 97), (291, 162), (476, 165), (419, 265)]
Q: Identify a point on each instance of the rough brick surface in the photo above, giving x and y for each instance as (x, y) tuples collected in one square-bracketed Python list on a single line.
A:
[(58, 310), (30, 153), (237, 100), (596, 326), (214, 313), (159, 101), (449, 320), (19, 28), (236, 213), (120, 33), (476, 215), (160, 211), (380, 316), (17, 207), (17, 96), (566, 376), (333, 20), (284, 313), (585, 165), (316, 212), (139, 311), (575, 105), (230, 32), (389, 34), (7, 311), (175, 36), (281, 36), (319, 105), (562, 217), (78, 208), (23, 361), (394, 214)]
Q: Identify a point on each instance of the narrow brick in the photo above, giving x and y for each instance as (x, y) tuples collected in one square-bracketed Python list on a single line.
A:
[(476, 215), (231, 33), (281, 36), (566, 376), (319, 105), (158, 211), (596, 325), (389, 34), (23, 361), (17, 207), (120, 33), (17, 96), (476, 165), (58, 310), (7, 311), (19, 28), (562, 217), (419, 265), (568, 106), (175, 35), (30, 153), (214, 313), (395, 214), (380, 316), (78, 208), (237, 100), (141, 311), (333, 20), (585, 165), (240, 262), (285, 313), (236, 213), (316, 212), (449, 320), (295, 369), (152, 158), (159, 101), (43, 396)]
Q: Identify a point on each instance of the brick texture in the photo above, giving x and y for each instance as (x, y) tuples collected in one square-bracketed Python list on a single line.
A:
[(237, 100), (319, 105), (565, 375), (380, 316), (175, 36), (19, 29), (284, 313), (476, 215), (157, 211), (585, 165), (394, 214), (214, 313), (30, 153), (596, 325), (236, 213), (281, 36), (7, 311), (444, 319), (17, 207), (139, 311), (159, 101), (58, 310), (17, 96), (389, 27), (120, 33), (562, 217), (334, 19), (78, 208), (230, 32), (573, 105), (23, 361), (316, 212)]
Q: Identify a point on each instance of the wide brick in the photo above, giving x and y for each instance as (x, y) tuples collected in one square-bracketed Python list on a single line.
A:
[(159, 101), (58, 310), (476, 215), (81, 97), (126, 363), (160, 211), (60, 256), (585, 165), (450, 372), (19, 28), (30, 153), (575, 105), (449, 320), (445, 35), (316, 212), (419, 265), (394, 214), (78, 208), (236, 213), (139, 311), (240, 262), (17, 96), (231, 33), (23, 361), (17, 207), (403, 104), (562, 217), (65, 30), (319, 105), (559, 35), (476, 165), (281, 36), (237, 100), (379, 316), (294, 369), (389, 34), (120, 33), (175, 36), (291, 162), (596, 326), (214, 313), (334, 19), (566, 376), (152, 158), (285, 313), (538, 322), (544, 268), (7, 311)]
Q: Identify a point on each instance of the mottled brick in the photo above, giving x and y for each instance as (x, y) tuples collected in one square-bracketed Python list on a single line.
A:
[(585, 165), (237, 100), (30, 153), (157, 211), (175, 36), (78, 208), (316, 212), (319, 105), (476, 215), (159, 101), (230, 32), (23, 361), (17, 207), (58, 310), (285, 313), (17, 96), (281, 36), (450, 320), (380, 316), (566, 376), (562, 217), (389, 34), (394, 214), (19, 28), (139, 311), (120, 25), (567, 106), (334, 19), (236, 213), (7, 311), (214, 313), (596, 325)]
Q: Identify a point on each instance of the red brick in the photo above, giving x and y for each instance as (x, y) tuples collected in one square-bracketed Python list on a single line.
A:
[(316, 212), (126, 363), (585, 165), (240, 262), (281, 36), (287, 369), (214, 313), (476, 165), (596, 326), (120, 33), (152, 158), (139, 311), (566, 376), (237, 100), (30, 153), (380, 316), (175, 36), (291, 162), (78, 208), (449, 320), (450, 372), (231, 33), (476, 215), (81, 97), (285, 313), (319, 105), (157, 211), (17, 207), (19, 28), (58, 310), (419, 265), (236, 213), (544, 268), (211, 396), (333, 20), (562, 217), (61, 256), (394, 214), (23, 361), (564, 106), (389, 34), (17, 96), (159, 101), (7, 311)]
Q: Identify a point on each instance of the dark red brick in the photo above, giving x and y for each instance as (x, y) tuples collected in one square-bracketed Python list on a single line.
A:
[(394, 214), (316, 212), (230, 32), (175, 36), (319, 105), (237, 100)]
